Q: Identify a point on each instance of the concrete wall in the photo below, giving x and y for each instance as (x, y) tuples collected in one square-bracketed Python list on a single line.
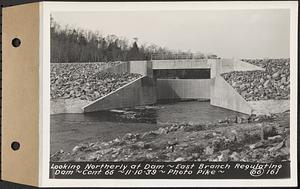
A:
[(214, 67), (141, 67), (180, 64), (222, 66), (63, 106), (120, 68), (269, 106), (244, 66), (183, 89), (139, 92), (228, 65), (224, 96)]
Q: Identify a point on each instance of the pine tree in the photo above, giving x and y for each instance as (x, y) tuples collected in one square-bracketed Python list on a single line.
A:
[(134, 53)]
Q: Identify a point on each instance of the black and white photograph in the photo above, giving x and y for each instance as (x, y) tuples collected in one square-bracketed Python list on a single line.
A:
[(149, 94), (203, 85)]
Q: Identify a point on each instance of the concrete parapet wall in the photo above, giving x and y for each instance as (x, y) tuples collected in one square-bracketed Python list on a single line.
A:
[(225, 65), (183, 89), (214, 67), (244, 66), (138, 92), (120, 68), (62, 106), (221, 66), (223, 95), (228, 65), (263, 107), (180, 64), (141, 67)]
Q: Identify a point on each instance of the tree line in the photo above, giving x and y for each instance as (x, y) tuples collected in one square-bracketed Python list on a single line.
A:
[(78, 45)]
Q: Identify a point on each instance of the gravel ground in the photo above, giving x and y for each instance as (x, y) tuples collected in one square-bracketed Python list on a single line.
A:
[(85, 81), (274, 83)]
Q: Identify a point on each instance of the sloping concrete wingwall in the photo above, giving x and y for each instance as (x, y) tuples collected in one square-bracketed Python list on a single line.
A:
[(138, 92), (223, 95), (183, 89), (244, 66)]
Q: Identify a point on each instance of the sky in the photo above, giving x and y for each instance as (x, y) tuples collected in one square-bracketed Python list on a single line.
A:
[(227, 33)]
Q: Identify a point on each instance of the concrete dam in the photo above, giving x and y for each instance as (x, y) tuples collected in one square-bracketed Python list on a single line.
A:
[(186, 79)]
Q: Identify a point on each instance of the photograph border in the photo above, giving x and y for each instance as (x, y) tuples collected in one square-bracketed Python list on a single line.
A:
[(46, 8)]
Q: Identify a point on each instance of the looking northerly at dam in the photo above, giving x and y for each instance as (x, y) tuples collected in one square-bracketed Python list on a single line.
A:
[(167, 80), (166, 96), (195, 88)]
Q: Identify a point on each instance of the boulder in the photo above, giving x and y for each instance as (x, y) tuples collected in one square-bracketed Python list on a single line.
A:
[(209, 150), (275, 75), (179, 159), (268, 131), (256, 145)]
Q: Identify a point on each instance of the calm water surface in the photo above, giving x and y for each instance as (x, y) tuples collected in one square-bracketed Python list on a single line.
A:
[(68, 130)]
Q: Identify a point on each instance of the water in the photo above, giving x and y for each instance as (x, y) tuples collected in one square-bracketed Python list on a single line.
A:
[(68, 130)]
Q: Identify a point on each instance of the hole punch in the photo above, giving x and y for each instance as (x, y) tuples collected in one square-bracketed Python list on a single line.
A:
[(15, 145), (16, 42)]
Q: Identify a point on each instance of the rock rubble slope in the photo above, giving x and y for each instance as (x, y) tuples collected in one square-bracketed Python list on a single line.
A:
[(271, 84), (85, 81)]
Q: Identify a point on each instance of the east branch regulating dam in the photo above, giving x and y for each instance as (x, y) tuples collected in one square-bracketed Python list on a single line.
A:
[(186, 79)]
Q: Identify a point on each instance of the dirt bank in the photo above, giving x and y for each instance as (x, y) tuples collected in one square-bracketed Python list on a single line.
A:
[(245, 138)]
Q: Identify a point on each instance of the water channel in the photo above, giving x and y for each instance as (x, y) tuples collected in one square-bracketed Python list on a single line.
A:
[(68, 130)]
